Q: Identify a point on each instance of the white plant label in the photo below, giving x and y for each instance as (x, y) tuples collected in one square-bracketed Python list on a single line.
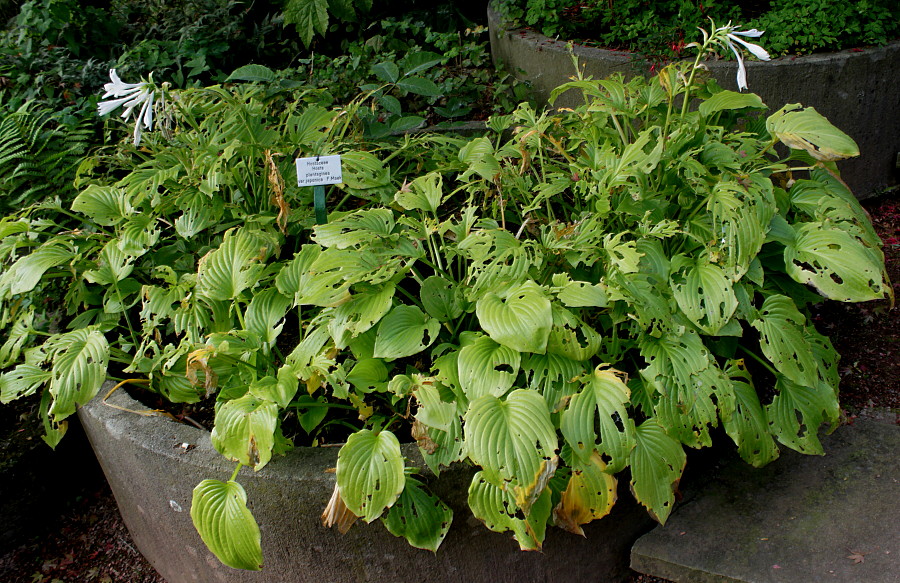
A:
[(319, 170)]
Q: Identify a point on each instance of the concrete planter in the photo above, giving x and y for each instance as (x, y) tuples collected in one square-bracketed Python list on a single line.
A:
[(858, 91), (152, 477)]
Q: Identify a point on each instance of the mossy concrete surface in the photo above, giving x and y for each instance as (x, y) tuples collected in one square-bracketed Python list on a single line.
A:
[(808, 519), (152, 465), (857, 90)]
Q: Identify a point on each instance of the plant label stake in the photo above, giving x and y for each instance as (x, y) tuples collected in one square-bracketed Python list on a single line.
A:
[(317, 171)]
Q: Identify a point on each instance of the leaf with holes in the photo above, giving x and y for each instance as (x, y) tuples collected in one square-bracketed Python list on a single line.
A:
[(231, 268), (487, 368), (748, 426), (521, 320), (497, 509), (807, 129), (606, 395), (656, 466), (797, 412), (220, 514), (510, 439), (703, 292), (424, 193), (419, 516), (80, 358), (370, 473), (244, 430), (783, 342), (405, 331), (357, 316), (441, 299), (837, 264), (589, 495), (25, 379)]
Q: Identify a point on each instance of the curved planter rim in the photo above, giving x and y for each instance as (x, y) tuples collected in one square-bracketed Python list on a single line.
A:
[(857, 90), (152, 465)]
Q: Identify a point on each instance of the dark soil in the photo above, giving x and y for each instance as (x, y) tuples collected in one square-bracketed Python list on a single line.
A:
[(80, 537)]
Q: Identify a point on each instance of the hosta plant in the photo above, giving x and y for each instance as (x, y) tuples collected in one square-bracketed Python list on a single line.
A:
[(575, 294)]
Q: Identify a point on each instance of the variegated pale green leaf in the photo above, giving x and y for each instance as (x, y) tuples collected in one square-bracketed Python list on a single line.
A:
[(748, 426), (496, 508), (80, 358), (25, 273), (571, 337), (797, 412), (806, 129), (837, 264), (704, 294), (357, 228), (370, 473), (479, 155), (741, 216), (487, 368), (783, 342), (405, 331), (579, 294), (656, 466), (104, 205), (233, 267), (364, 310), (725, 100), (25, 379), (589, 495), (604, 393), (520, 320), (419, 516), (434, 411), (220, 514), (511, 439), (265, 314), (367, 375), (317, 277), (244, 430)]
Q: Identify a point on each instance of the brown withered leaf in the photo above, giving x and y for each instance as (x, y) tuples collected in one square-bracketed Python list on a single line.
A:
[(423, 440), (337, 514)]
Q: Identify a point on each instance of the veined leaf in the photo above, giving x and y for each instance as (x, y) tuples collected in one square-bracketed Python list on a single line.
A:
[(80, 358), (317, 277), (370, 473), (806, 129), (748, 426), (220, 514), (441, 299), (589, 495), (497, 509), (112, 266), (356, 228), (704, 294), (726, 100), (227, 271), (479, 155), (424, 193), (487, 368), (521, 320), (358, 315), (309, 16), (605, 394), (511, 439), (244, 430), (405, 331), (25, 273), (104, 205), (657, 463), (265, 314), (797, 412), (571, 337), (419, 516), (25, 379), (253, 73), (781, 326)]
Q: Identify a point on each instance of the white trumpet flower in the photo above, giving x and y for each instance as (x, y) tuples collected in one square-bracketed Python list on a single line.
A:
[(129, 96), (732, 34)]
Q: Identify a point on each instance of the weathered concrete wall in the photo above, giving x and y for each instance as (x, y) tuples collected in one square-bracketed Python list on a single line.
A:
[(859, 92), (152, 478)]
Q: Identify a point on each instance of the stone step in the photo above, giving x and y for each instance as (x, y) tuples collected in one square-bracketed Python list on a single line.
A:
[(831, 518)]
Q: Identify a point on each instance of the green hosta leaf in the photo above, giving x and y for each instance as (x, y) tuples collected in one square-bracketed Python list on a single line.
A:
[(197, 217), (521, 320), (79, 366), (357, 316), (405, 331), (748, 426), (571, 337), (589, 495), (487, 368), (362, 170), (104, 205), (605, 394), (481, 159), (265, 314), (725, 100), (783, 341), (497, 509), (623, 255), (656, 466), (512, 440), (367, 375), (357, 228), (17, 336), (424, 193), (741, 217), (704, 294), (806, 129), (439, 448), (370, 473), (419, 516), (112, 266), (433, 411), (317, 277), (25, 273), (227, 271), (280, 389), (441, 299), (138, 235), (244, 430), (834, 262), (22, 381), (579, 294), (797, 412), (220, 514), (554, 376)]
